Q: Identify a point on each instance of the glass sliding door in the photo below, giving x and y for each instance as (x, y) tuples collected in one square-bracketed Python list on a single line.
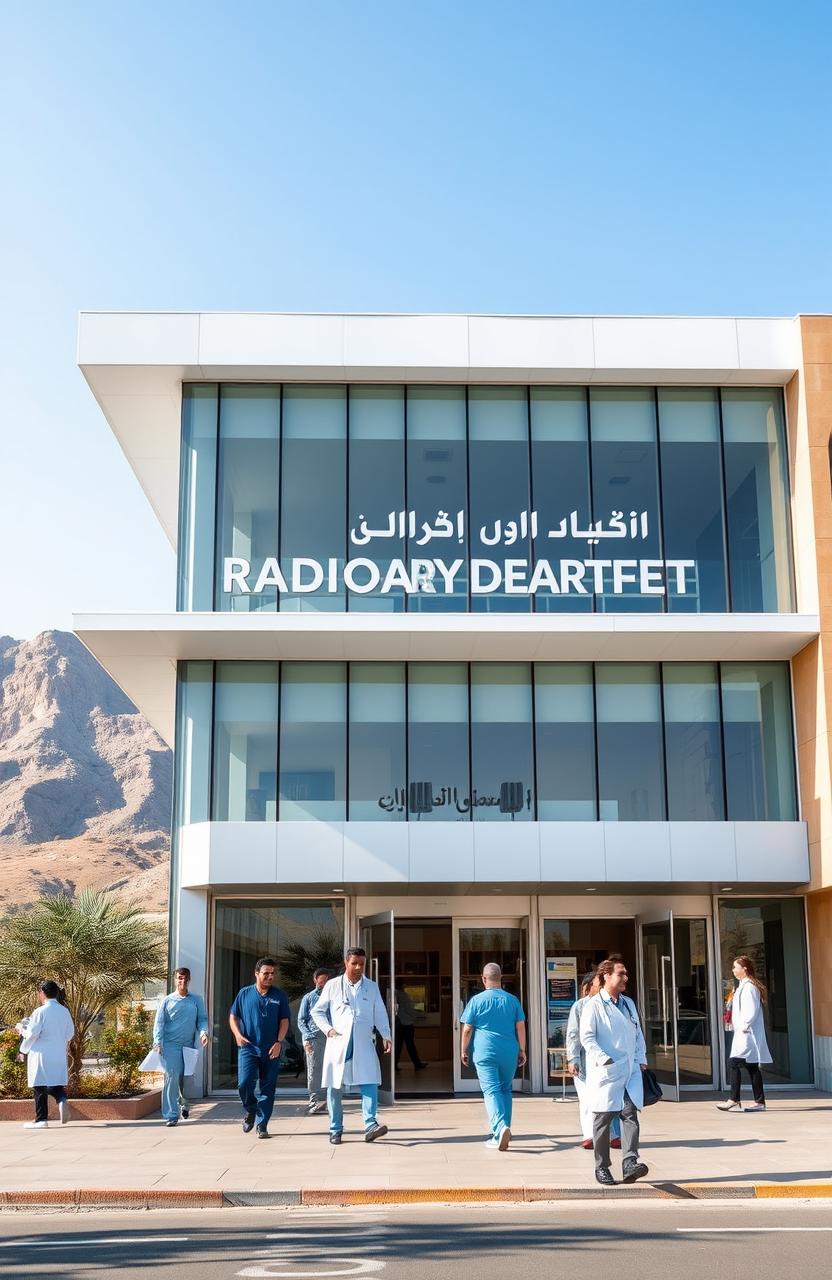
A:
[(475, 945), (658, 999), (378, 940)]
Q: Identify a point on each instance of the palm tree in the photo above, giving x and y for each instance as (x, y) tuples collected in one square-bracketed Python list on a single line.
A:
[(297, 960), (98, 949)]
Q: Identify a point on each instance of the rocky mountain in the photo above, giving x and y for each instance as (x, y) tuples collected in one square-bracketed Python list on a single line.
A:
[(85, 782)]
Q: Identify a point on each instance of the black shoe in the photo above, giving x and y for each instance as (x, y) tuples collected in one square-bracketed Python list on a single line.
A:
[(633, 1170), (604, 1176), (185, 1113), (377, 1131), (422, 1066), (262, 1131), (248, 1123), (170, 1123), (335, 1139)]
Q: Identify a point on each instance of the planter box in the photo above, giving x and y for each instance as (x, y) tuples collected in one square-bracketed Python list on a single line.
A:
[(142, 1104)]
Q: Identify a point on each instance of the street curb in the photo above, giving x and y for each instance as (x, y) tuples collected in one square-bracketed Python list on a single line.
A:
[(93, 1198)]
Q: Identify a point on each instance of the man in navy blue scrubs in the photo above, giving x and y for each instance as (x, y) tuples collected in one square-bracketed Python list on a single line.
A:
[(259, 1021)]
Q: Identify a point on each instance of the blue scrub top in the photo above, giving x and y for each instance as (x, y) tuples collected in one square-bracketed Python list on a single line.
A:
[(493, 1014), (260, 1016)]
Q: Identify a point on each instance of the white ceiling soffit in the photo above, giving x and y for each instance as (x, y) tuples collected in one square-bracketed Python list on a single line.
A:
[(135, 362), (141, 651)]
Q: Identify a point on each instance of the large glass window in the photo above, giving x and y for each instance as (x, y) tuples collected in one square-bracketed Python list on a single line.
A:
[(759, 761), (565, 728), (502, 756), (772, 932), (300, 936), (694, 524), (693, 742), (437, 727), (194, 710), (630, 758), (247, 489), (198, 477), (560, 485), (245, 742), (625, 487), (313, 506), (377, 746), (437, 482), (376, 490), (758, 507), (313, 741), (498, 460)]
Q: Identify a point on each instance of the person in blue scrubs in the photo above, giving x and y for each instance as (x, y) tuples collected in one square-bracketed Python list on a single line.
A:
[(181, 1022), (495, 1020), (259, 1021)]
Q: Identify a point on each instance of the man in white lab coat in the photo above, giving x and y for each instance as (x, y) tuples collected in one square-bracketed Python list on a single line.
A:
[(46, 1035), (349, 1011), (616, 1055)]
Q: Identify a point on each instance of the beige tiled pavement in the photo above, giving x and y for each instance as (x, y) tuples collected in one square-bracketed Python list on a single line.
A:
[(432, 1143)]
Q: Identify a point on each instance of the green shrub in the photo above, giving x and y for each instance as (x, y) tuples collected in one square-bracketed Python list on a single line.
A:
[(107, 1084), (126, 1044), (12, 1073)]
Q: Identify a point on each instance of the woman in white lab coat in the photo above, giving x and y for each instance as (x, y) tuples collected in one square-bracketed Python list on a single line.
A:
[(46, 1035), (749, 1046)]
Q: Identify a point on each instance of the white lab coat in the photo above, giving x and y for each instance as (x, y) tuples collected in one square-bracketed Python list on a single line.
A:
[(333, 1010), (47, 1034), (610, 1032), (749, 1039)]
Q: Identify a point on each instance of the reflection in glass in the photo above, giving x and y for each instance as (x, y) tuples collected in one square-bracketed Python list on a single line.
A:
[(630, 758), (759, 757), (565, 728), (313, 506), (247, 489), (694, 527), (693, 742), (377, 748), (376, 487), (301, 936), (245, 742), (758, 511), (693, 1016), (313, 747), (501, 945), (192, 760), (772, 931), (502, 768), (197, 481), (498, 459), (560, 484), (657, 1007), (625, 479), (437, 480), (439, 783)]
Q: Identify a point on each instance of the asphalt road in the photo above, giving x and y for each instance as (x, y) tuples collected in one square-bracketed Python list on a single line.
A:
[(740, 1241)]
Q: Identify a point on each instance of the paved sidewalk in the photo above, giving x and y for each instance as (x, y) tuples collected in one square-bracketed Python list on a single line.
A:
[(431, 1144)]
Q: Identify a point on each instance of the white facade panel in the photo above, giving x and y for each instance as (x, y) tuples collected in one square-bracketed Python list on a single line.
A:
[(252, 340), (138, 337), (376, 852), (572, 851), (399, 343), (310, 852), (666, 342), (531, 342), (703, 851), (441, 852), (772, 851), (506, 851), (637, 851)]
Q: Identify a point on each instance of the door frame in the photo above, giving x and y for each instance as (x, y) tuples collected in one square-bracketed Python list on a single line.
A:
[(661, 915), (365, 926), (523, 923)]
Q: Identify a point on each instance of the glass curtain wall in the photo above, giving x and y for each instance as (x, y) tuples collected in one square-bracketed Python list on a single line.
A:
[(560, 484), (391, 741), (249, 461), (772, 931), (313, 497), (197, 497), (300, 936), (437, 482), (377, 489), (498, 461)]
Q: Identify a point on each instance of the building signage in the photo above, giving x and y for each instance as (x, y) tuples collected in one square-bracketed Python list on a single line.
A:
[(596, 574)]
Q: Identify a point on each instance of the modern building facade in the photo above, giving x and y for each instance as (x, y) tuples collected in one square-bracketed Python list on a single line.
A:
[(495, 638)]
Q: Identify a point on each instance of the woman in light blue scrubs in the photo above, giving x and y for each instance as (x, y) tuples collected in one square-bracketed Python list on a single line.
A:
[(497, 1023)]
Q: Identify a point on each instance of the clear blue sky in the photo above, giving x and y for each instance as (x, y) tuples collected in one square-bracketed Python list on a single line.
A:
[(430, 156)]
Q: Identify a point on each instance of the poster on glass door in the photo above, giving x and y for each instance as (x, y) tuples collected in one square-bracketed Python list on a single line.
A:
[(561, 994)]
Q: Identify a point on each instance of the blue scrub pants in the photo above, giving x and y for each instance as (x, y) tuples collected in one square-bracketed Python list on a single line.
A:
[(172, 1098), (495, 1076), (369, 1106), (257, 1081)]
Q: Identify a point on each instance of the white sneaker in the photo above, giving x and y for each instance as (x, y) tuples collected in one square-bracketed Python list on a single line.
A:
[(756, 1106), (63, 1112), (728, 1106), (493, 1144), (36, 1124), (504, 1139)]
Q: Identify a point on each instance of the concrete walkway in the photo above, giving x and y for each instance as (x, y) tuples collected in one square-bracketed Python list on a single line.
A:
[(431, 1145)]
